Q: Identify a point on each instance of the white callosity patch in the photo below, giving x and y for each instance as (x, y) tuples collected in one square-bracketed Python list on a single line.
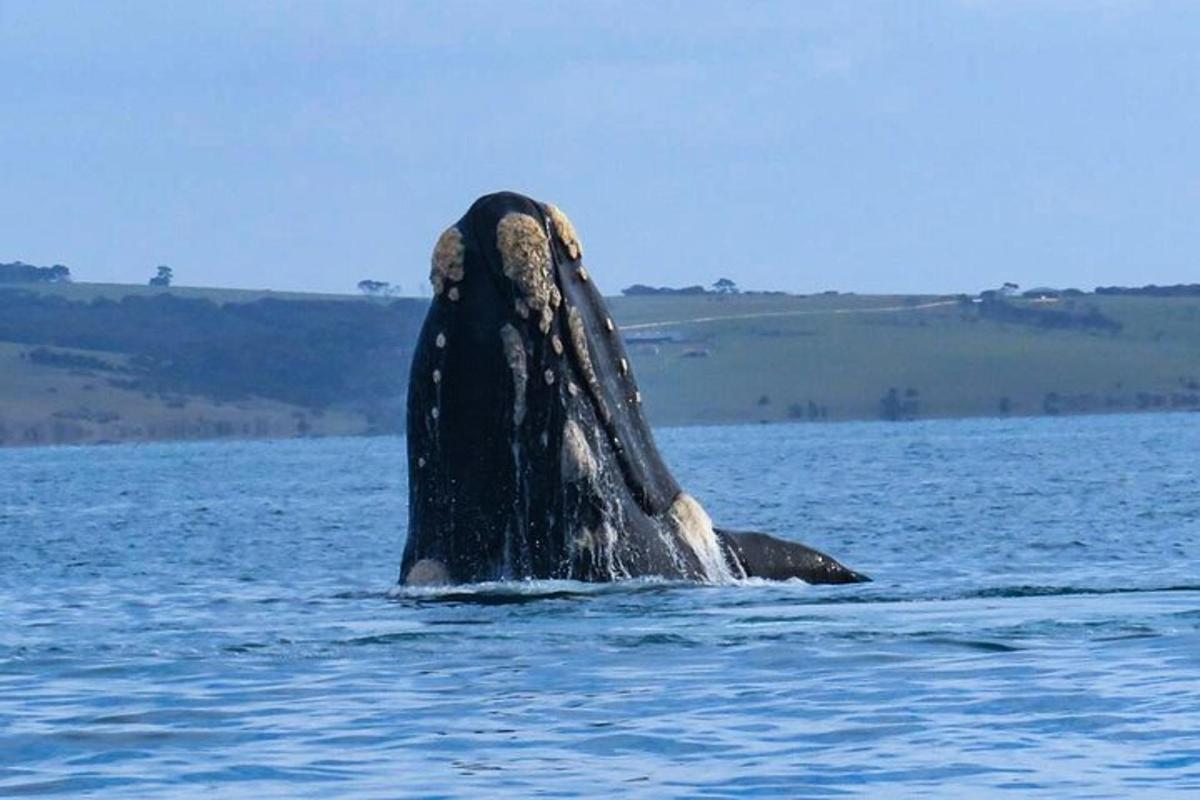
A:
[(584, 540), (601, 545), (514, 354), (566, 231), (427, 572), (525, 253), (694, 528), (447, 260), (609, 538), (578, 461), (583, 465), (584, 356)]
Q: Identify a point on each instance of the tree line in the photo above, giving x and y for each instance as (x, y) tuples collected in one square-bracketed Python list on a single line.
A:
[(1177, 290)]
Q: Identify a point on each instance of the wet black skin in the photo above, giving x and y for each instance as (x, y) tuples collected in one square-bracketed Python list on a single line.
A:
[(491, 498)]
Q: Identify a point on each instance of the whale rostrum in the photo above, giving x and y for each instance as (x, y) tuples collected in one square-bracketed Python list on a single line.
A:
[(528, 450)]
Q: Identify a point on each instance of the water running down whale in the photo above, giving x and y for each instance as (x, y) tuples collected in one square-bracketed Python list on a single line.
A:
[(529, 455)]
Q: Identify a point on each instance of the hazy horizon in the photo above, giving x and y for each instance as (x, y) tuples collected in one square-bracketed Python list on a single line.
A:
[(875, 148)]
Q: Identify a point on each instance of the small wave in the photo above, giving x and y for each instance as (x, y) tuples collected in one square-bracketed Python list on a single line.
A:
[(398, 637), (879, 595), (516, 592), (1058, 591), (635, 641), (507, 592), (979, 645)]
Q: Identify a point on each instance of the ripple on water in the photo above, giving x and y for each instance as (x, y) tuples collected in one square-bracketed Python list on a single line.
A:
[(232, 628)]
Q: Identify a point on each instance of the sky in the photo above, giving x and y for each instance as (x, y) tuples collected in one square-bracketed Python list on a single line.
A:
[(870, 147)]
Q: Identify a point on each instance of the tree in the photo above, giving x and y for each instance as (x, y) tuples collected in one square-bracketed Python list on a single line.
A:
[(20, 272), (164, 276), (894, 408), (374, 288), (725, 286), (889, 405)]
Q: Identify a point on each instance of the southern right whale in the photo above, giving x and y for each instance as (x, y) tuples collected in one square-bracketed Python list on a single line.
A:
[(529, 455)]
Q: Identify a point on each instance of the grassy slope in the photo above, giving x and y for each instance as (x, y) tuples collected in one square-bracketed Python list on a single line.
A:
[(830, 350), (50, 405), (958, 366), (42, 404)]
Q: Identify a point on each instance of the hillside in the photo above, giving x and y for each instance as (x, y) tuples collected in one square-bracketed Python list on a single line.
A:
[(841, 357), (93, 363)]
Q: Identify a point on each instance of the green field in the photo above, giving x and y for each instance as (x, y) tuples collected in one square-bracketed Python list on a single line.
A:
[(699, 360), (42, 405), (835, 359)]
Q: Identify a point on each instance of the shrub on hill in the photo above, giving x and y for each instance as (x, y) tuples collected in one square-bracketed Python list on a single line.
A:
[(993, 308), (642, 289), (20, 272)]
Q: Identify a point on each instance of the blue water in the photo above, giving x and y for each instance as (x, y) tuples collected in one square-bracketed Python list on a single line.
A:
[(213, 620)]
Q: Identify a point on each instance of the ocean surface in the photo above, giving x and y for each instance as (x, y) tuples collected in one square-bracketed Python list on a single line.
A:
[(214, 620)]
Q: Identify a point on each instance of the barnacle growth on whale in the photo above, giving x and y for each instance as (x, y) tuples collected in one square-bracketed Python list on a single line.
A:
[(584, 357), (525, 254), (578, 461), (565, 230), (514, 354), (447, 260)]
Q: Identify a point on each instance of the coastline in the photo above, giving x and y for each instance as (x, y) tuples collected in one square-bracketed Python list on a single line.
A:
[(235, 438), (104, 364)]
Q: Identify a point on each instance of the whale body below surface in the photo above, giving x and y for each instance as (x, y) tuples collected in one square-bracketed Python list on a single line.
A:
[(528, 451)]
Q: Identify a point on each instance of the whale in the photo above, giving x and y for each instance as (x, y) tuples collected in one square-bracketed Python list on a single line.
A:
[(529, 453)]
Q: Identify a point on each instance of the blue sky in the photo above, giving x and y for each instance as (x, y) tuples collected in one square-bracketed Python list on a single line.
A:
[(869, 147)]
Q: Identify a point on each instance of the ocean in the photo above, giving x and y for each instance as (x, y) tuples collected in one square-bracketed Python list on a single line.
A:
[(217, 620)]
